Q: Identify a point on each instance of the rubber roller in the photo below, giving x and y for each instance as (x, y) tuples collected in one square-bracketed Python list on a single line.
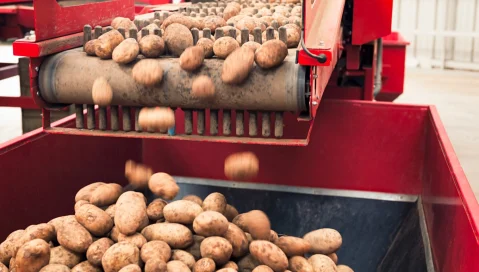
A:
[(67, 78)]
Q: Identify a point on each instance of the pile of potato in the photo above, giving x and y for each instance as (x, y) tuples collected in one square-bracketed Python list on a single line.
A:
[(114, 230)]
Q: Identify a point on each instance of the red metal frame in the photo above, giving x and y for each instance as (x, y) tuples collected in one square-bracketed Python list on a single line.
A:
[(372, 19)]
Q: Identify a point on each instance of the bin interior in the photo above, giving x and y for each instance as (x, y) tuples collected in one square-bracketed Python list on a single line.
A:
[(367, 147)]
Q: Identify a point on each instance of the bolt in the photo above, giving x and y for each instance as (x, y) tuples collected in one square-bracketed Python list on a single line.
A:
[(38, 93), (315, 76), (321, 43), (315, 103), (36, 69)]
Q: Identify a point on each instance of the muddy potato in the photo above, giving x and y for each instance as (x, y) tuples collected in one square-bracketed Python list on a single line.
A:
[(152, 46), (204, 265), (250, 23), (231, 265), (237, 66), (131, 268), (57, 222), (194, 198), (230, 212), (207, 45), (224, 46), (182, 211), (194, 249), (269, 254), (333, 257), (229, 12), (248, 263), (293, 246), (265, 12), (97, 249), (94, 219), (61, 255), (242, 166), (8, 247), (106, 43), (155, 250), (89, 47), (203, 88), (175, 235), (237, 238), (322, 263), (324, 241), (344, 268), (42, 231), (161, 118), (121, 22), (110, 210), (293, 36), (163, 185), (262, 268), (215, 202), (249, 237), (299, 264), (114, 234), (192, 58), (177, 18), (86, 267), (101, 92), (106, 194), (271, 54), (137, 239), (183, 256), (177, 266), (53, 268), (73, 236), (85, 192), (226, 30), (155, 265), (155, 209), (210, 223), (226, 270), (280, 18), (212, 22), (216, 248), (273, 236), (130, 212), (120, 255), (147, 72), (258, 225), (177, 38), (126, 51), (80, 203), (32, 256), (240, 221), (235, 19)]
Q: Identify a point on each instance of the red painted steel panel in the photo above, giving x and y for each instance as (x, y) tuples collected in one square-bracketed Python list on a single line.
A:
[(354, 145), (23, 102), (451, 209), (371, 20)]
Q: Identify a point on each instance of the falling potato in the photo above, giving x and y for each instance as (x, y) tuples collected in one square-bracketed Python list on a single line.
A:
[(241, 166)]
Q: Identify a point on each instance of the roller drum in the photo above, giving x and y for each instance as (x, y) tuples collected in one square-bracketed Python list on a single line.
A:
[(68, 77)]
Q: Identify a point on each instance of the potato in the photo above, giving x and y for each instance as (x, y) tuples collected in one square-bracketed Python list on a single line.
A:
[(183, 256), (258, 225), (230, 212), (147, 72), (192, 58), (137, 239), (177, 266), (42, 231), (299, 264), (198, 22), (268, 20), (54, 268), (89, 47), (210, 223), (293, 36), (175, 235), (85, 267), (237, 66), (207, 45), (32, 256), (322, 263), (249, 237), (262, 268), (97, 249), (204, 265), (215, 202), (194, 249), (85, 192), (333, 257), (120, 255), (324, 241), (155, 209), (273, 236), (229, 12), (61, 255), (73, 236), (57, 222), (242, 166), (212, 22), (156, 119), (203, 88), (231, 265), (237, 239), (280, 18), (182, 211), (177, 18), (265, 12), (155, 265), (121, 22), (344, 268), (216, 248), (137, 174), (196, 199), (248, 263), (177, 38), (126, 51), (115, 232), (8, 248), (152, 46), (226, 270), (271, 54), (269, 254), (94, 219), (106, 43), (249, 23), (155, 250), (131, 268), (240, 221), (235, 19), (293, 246), (111, 211), (224, 46), (106, 194), (80, 203), (130, 212), (163, 185), (101, 92)]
